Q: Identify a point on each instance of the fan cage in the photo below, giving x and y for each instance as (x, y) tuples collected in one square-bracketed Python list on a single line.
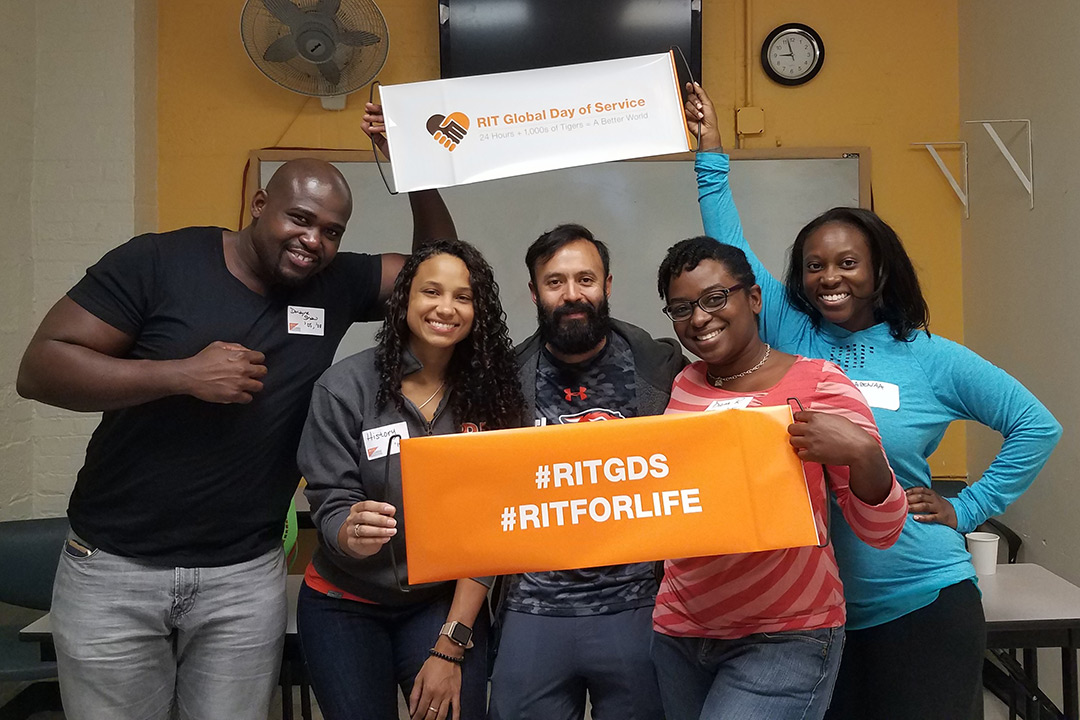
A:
[(358, 64)]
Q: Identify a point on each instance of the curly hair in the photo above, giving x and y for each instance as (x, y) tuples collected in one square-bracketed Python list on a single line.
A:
[(898, 299), (482, 374), (686, 255)]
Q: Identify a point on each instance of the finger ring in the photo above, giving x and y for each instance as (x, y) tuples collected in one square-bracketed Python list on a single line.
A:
[(356, 530), (433, 709)]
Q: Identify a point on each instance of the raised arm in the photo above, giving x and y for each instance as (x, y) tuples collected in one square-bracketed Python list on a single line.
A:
[(431, 218), (721, 218), (77, 361)]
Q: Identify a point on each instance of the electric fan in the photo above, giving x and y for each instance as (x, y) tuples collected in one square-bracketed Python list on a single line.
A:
[(321, 48)]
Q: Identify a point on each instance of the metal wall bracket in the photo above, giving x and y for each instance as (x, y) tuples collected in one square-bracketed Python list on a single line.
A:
[(1025, 180), (961, 193)]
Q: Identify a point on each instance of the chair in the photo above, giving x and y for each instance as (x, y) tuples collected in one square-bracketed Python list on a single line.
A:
[(293, 667), (29, 553)]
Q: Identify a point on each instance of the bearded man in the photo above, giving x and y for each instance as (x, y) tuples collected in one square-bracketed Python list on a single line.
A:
[(569, 633)]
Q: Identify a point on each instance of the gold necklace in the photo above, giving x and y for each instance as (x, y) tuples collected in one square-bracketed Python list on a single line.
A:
[(437, 391), (718, 381)]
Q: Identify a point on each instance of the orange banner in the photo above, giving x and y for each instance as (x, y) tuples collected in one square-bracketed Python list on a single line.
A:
[(603, 493)]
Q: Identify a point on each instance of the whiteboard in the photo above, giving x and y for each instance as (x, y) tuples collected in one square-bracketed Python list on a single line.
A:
[(638, 208)]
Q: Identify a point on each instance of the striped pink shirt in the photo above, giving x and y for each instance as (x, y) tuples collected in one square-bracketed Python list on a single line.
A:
[(732, 596)]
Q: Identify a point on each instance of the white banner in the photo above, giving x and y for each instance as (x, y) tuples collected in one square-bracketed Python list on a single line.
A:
[(464, 130)]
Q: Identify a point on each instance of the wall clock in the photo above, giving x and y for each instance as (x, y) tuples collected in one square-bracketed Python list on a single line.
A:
[(792, 54)]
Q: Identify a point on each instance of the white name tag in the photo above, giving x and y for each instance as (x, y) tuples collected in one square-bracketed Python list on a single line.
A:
[(879, 394), (305, 320), (377, 440), (737, 403)]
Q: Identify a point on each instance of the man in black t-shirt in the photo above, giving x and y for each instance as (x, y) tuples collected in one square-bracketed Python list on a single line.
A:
[(572, 632), (201, 347)]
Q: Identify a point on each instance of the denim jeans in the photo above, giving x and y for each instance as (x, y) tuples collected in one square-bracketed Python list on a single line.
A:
[(359, 654), (546, 664), (133, 639), (766, 676)]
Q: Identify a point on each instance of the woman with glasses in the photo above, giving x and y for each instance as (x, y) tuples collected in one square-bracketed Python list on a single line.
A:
[(443, 364), (759, 635), (915, 632)]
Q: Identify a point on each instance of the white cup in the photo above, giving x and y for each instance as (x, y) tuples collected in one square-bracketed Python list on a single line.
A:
[(983, 547)]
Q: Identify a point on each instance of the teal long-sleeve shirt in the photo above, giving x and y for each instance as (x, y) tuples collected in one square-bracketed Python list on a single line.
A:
[(915, 388)]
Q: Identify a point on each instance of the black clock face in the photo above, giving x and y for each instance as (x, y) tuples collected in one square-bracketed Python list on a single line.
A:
[(792, 54)]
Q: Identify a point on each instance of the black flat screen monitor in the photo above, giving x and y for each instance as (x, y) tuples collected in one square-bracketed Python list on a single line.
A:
[(487, 36)]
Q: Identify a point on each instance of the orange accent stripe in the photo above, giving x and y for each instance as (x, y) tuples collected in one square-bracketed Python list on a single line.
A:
[(319, 584), (678, 94)]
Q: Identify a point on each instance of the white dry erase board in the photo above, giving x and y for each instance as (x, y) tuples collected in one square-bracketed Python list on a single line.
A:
[(638, 207)]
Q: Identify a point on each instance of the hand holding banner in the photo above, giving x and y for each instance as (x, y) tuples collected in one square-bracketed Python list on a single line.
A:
[(603, 493), (462, 130)]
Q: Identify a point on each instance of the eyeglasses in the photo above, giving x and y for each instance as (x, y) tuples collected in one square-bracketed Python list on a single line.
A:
[(710, 302)]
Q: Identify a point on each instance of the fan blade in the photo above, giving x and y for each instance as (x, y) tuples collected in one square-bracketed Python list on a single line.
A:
[(281, 50), (359, 37), (331, 72), (284, 11), (327, 7)]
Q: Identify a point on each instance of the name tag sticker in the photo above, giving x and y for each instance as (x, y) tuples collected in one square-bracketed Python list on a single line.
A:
[(377, 440), (879, 394), (305, 320), (730, 404)]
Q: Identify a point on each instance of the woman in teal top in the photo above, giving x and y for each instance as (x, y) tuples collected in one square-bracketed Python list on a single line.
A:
[(915, 632)]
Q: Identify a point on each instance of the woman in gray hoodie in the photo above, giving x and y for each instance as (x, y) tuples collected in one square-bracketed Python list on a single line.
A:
[(443, 364)]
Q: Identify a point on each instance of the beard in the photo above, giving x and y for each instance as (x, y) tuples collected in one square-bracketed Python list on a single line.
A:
[(573, 337)]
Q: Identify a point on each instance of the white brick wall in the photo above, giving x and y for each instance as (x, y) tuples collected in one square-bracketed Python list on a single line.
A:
[(81, 122), (17, 51)]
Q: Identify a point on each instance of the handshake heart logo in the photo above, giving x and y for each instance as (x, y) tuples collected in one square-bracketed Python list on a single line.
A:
[(448, 130)]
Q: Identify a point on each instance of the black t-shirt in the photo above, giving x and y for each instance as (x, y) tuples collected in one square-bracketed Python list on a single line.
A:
[(179, 481), (601, 388)]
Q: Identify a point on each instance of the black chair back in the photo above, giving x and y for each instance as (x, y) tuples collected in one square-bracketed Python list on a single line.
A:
[(29, 553)]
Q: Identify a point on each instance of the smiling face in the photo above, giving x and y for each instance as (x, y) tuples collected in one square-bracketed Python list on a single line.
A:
[(838, 276), (297, 222), (571, 295), (726, 339), (440, 312)]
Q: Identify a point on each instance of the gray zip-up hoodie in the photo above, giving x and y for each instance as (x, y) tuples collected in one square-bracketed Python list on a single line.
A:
[(339, 473)]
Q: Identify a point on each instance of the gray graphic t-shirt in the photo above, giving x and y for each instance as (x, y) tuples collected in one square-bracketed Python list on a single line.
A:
[(602, 388)]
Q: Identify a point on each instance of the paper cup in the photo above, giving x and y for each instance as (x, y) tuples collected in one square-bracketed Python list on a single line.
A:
[(983, 547)]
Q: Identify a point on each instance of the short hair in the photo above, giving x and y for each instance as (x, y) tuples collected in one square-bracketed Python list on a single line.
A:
[(688, 254), (897, 299), (545, 246)]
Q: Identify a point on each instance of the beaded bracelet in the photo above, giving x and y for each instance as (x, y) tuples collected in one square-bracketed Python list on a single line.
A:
[(443, 656)]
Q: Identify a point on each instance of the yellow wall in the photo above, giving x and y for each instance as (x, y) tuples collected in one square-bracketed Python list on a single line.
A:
[(890, 78)]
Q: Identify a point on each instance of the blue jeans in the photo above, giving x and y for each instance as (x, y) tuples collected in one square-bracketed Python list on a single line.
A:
[(359, 654), (133, 639), (767, 676), (546, 664)]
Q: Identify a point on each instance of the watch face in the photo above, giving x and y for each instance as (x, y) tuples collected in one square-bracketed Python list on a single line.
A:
[(792, 54), (460, 634)]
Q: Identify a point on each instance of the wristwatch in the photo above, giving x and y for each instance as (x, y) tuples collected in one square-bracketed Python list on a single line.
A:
[(459, 633)]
